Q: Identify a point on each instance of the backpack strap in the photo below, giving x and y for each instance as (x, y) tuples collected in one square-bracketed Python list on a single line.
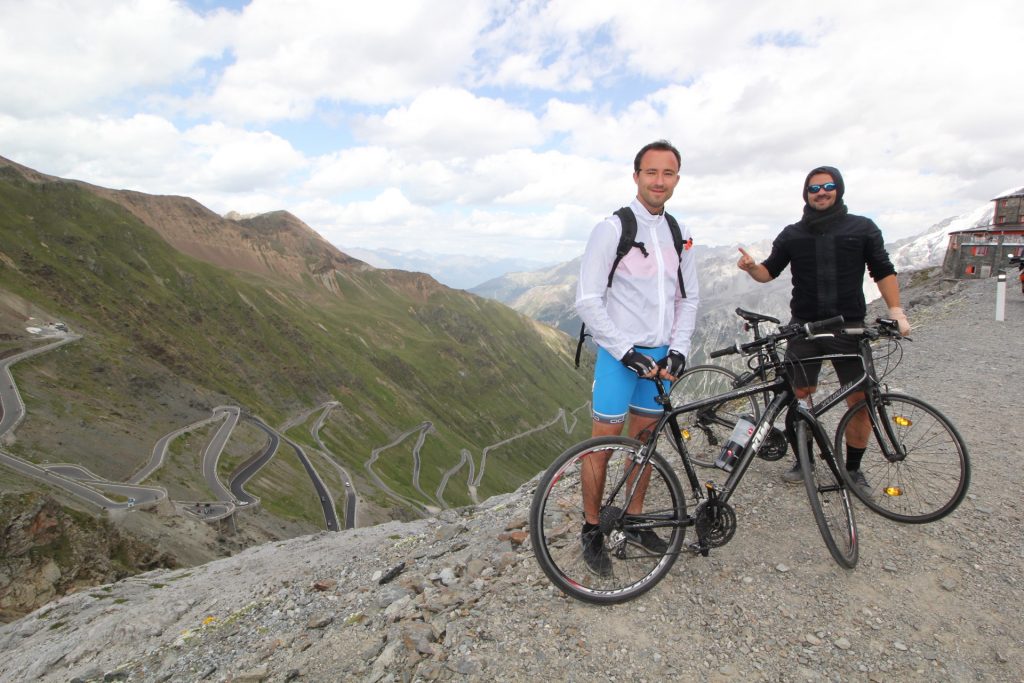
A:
[(627, 239), (677, 240)]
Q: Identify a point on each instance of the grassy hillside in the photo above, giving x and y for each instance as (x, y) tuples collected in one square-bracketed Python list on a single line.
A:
[(166, 337)]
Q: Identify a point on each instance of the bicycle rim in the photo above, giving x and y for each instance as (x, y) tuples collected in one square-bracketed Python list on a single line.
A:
[(826, 492), (556, 520), (706, 431), (930, 476)]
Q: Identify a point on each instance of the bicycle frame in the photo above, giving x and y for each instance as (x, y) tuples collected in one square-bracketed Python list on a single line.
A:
[(784, 399)]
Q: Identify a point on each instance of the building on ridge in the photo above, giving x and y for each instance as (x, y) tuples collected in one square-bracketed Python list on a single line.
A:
[(984, 251)]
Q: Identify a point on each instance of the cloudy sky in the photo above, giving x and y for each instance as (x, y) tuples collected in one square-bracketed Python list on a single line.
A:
[(509, 128)]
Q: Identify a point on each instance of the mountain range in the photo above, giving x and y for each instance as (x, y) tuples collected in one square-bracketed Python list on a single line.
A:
[(459, 271), (378, 388)]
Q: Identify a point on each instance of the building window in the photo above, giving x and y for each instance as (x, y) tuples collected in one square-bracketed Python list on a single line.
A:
[(979, 251), (969, 270)]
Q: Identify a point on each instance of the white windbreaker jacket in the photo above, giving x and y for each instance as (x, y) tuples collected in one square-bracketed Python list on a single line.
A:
[(643, 307)]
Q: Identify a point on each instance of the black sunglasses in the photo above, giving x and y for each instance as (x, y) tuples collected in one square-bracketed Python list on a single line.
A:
[(815, 189)]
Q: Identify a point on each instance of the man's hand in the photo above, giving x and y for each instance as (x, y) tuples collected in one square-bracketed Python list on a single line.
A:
[(756, 270), (746, 261), (672, 365), (896, 313), (643, 365)]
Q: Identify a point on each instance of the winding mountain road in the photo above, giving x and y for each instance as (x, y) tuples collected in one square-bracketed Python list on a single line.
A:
[(72, 478), (80, 482)]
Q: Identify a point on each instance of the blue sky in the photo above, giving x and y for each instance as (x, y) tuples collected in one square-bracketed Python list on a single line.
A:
[(507, 129)]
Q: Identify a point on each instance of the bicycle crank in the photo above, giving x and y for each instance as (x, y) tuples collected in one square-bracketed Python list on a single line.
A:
[(715, 523), (775, 445)]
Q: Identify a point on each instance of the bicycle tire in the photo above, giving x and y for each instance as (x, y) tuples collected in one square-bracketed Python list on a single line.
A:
[(556, 518), (706, 431), (926, 483), (827, 494)]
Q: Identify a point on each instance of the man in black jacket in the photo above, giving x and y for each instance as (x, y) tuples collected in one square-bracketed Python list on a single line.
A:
[(827, 251)]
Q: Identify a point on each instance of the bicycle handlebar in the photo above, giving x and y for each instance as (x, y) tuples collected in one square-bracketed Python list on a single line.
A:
[(785, 332), (884, 328)]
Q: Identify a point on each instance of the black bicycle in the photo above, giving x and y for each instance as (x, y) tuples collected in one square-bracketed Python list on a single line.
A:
[(916, 464), (911, 438)]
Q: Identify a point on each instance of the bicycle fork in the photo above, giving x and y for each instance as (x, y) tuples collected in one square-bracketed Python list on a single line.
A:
[(885, 432)]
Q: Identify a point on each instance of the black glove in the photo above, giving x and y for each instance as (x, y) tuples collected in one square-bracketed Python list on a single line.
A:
[(639, 363), (674, 363)]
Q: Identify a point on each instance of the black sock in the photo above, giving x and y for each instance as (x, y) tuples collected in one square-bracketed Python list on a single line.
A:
[(853, 458), (589, 528)]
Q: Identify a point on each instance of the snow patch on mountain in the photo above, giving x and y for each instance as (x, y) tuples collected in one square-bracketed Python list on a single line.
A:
[(929, 248)]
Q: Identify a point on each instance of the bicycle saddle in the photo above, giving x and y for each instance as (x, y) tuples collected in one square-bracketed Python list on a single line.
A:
[(752, 317)]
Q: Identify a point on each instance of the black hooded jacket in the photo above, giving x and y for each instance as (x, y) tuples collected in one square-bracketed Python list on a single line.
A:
[(827, 252)]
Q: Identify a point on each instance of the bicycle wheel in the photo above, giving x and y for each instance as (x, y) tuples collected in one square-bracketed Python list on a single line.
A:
[(556, 522), (705, 431), (826, 492), (920, 477)]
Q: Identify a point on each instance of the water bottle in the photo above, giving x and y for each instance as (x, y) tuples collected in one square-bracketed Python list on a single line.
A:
[(733, 448)]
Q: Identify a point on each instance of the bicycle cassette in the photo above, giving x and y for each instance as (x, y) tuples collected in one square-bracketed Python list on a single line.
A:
[(715, 523), (609, 518)]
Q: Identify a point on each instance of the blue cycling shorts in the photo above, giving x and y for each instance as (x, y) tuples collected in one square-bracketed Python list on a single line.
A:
[(618, 390)]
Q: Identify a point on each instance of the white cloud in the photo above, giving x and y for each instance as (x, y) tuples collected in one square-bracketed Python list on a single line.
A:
[(291, 55), (149, 154), (66, 55), (510, 128), (450, 121), (238, 160), (108, 151)]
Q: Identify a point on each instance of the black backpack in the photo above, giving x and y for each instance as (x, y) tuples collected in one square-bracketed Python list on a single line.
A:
[(627, 240)]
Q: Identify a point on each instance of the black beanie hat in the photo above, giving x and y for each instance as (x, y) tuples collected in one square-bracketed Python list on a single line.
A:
[(837, 177)]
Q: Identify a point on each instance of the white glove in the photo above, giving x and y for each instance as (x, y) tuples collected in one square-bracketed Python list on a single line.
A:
[(896, 313)]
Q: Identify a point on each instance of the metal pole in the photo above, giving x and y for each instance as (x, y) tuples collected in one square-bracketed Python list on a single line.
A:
[(1001, 296)]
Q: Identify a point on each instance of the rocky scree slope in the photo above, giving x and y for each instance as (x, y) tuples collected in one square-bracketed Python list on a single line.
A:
[(936, 602), (47, 550)]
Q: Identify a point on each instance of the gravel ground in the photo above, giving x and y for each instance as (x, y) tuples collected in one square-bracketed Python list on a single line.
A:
[(936, 602)]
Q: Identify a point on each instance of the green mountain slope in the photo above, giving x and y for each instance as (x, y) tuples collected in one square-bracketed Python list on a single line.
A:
[(167, 336)]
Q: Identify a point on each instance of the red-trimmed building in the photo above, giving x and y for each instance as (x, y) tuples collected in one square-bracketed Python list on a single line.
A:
[(984, 251)]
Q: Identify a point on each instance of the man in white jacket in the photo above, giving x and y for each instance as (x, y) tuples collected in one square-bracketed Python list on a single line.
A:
[(641, 322)]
